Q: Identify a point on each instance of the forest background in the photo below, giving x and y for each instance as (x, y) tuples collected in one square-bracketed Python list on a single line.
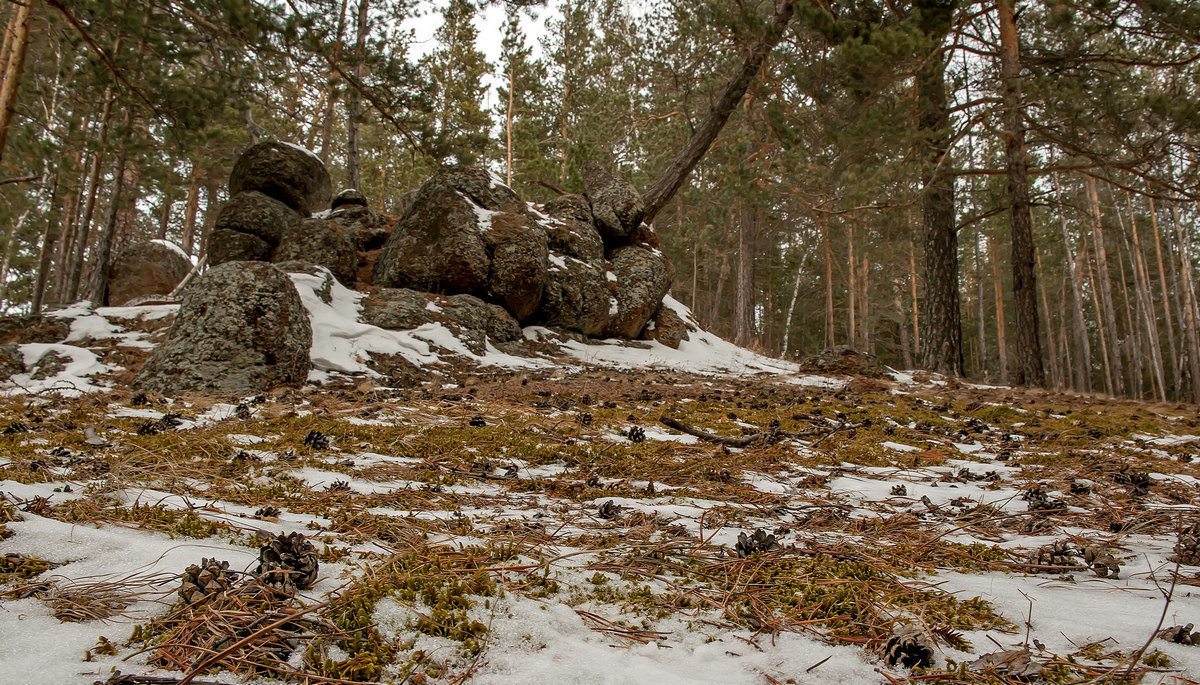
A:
[(1006, 192)]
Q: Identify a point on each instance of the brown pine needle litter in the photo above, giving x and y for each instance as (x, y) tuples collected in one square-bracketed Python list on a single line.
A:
[(744, 513)]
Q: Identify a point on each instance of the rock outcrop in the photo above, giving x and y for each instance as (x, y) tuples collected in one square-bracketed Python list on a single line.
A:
[(616, 206), (844, 360), (241, 329), (322, 242), (471, 319), (643, 278), (288, 173), (149, 268)]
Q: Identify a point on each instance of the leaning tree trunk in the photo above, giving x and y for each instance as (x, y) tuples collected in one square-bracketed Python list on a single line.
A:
[(667, 184), (941, 332), (1029, 346)]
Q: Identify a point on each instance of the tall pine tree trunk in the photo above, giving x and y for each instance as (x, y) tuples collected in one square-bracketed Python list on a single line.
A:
[(353, 174), (941, 332), (1083, 359), (1104, 288), (190, 209), (1166, 302), (744, 319), (1029, 369), (14, 66)]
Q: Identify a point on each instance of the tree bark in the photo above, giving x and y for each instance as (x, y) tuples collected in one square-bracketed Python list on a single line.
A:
[(1001, 329), (14, 65), (191, 209), (1104, 286), (1030, 370), (669, 182), (1083, 360), (1166, 298), (941, 332), (331, 91), (353, 175), (744, 319)]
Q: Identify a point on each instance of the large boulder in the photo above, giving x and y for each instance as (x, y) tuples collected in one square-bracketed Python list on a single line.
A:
[(643, 277), (370, 230), (241, 329), (150, 268), (440, 245), (12, 360), (519, 260), (258, 215), (437, 246), (617, 207), (570, 231), (286, 172), (471, 319), (576, 296), (667, 327), (231, 246), (323, 242)]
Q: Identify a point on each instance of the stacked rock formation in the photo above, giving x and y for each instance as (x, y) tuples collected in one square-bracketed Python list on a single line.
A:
[(467, 253), (583, 263)]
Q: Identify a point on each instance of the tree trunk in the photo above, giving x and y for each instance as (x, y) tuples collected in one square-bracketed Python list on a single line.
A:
[(1166, 299), (14, 65), (912, 283), (851, 289), (744, 319), (50, 237), (941, 334), (1141, 274), (190, 209), (981, 306), (1192, 349), (98, 286), (829, 321), (1001, 329), (353, 177), (1083, 360), (669, 182), (1104, 286), (331, 91), (212, 207), (1029, 347)]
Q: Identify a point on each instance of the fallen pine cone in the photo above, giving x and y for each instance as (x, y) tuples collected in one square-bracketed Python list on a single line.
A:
[(1103, 564), (289, 562), (908, 647), (201, 582), (761, 541)]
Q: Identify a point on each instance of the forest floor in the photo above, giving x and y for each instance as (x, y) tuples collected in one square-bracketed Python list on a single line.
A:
[(546, 527)]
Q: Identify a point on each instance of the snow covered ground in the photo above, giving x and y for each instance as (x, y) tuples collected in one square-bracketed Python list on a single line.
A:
[(533, 521)]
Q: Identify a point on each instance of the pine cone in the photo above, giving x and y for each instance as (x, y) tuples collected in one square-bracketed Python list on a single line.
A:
[(1182, 635), (636, 434), (900, 490), (289, 562), (761, 541), (908, 647), (200, 583), (316, 440), (1059, 554), (477, 422), (609, 510), (1187, 550)]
